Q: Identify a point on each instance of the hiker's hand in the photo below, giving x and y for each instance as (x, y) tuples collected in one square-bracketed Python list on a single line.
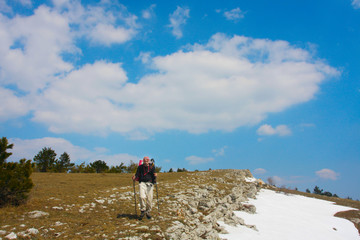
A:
[(133, 178)]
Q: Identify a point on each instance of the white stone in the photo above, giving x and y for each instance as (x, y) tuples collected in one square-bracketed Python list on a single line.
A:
[(11, 236), (32, 231), (37, 214)]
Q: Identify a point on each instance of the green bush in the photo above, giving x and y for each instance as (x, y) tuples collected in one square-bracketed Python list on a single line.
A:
[(15, 182)]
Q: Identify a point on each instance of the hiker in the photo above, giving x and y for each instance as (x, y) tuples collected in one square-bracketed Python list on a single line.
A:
[(146, 176)]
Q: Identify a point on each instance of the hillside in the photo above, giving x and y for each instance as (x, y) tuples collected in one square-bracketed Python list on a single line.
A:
[(101, 206)]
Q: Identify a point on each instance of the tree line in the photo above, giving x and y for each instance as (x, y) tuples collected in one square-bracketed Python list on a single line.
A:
[(45, 161)]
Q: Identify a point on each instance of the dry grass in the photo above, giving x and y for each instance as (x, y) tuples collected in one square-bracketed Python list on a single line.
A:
[(74, 213), (64, 196)]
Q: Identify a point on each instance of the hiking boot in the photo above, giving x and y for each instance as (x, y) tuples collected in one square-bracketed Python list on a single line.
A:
[(148, 215), (142, 215)]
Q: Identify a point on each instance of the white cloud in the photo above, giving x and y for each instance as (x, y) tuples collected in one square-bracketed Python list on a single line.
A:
[(108, 34), (144, 57), (259, 171), (177, 19), (149, 13), (268, 130), (327, 174), (105, 23), (222, 85), (11, 106), (26, 3), (4, 7), (28, 148), (31, 49), (194, 160), (83, 101), (356, 4), (234, 14), (219, 152)]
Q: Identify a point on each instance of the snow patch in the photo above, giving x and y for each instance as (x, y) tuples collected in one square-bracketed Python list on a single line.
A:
[(280, 216)]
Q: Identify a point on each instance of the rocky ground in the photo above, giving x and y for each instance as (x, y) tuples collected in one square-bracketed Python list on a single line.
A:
[(203, 204), (188, 206)]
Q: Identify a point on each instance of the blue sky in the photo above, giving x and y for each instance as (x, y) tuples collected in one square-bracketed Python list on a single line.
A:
[(270, 86)]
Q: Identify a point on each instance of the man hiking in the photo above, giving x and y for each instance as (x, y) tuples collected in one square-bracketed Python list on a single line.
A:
[(146, 176)]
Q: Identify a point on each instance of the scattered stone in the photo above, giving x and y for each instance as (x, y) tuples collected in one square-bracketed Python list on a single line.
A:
[(32, 231), (12, 235), (37, 214), (57, 208)]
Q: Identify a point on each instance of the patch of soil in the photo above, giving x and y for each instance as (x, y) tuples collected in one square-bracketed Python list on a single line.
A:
[(351, 215)]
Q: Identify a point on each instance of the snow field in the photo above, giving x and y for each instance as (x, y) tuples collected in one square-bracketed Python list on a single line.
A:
[(281, 217)]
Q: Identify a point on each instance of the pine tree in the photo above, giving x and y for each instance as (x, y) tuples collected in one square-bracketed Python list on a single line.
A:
[(63, 164), (317, 190), (4, 146), (45, 159), (99, 166), (15, 181)]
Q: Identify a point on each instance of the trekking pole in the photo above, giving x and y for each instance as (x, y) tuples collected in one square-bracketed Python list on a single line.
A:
[(157, 195), (135, 198)]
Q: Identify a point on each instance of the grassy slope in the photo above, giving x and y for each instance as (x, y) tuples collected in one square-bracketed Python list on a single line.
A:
[(115, 217)]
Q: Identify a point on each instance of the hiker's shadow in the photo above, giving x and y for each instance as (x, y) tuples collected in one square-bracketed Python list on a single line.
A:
[(127, 215)]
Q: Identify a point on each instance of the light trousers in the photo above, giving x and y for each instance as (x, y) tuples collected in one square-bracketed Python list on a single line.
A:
[(146, 196)]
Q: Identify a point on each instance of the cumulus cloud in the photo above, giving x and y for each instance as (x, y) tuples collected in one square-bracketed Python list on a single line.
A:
[(234, 14), (327, 174), (268, 130), (177, 19), (11, 105), (108, 34), (194, 160), (356, 4), (28, 148), (221, 85), (31, 49), (83, 101)]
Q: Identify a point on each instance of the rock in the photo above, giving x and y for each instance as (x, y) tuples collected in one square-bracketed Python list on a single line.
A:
[(205, 205), (37, 214), (12, 235), (32, 231)]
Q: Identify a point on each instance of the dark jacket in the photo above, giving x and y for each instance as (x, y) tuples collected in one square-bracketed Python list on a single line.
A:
[(145, 174)]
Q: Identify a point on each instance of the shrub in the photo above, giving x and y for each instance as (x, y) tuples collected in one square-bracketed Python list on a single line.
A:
[(15, 182)]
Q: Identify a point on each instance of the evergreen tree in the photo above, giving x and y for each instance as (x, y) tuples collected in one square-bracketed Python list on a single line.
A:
[(4, 146), (118, 169), (45, 159), (15, 181), (317, 190), (63, 164), (99, 166)]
